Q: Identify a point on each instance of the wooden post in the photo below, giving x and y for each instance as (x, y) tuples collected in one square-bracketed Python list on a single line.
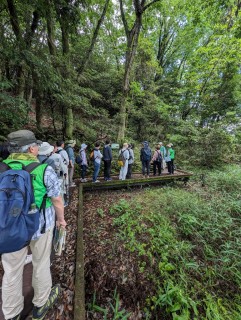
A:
[(79, 300)]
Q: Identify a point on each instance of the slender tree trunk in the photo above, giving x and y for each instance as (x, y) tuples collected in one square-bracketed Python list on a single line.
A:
[(50, 27), (132, 42)]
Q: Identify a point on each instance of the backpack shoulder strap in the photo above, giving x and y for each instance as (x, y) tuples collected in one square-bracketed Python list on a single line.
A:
[(33, 165), (29, 168), (4, 167)]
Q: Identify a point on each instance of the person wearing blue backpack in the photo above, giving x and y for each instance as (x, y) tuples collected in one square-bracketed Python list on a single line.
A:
[(29, 200), (145, 157)]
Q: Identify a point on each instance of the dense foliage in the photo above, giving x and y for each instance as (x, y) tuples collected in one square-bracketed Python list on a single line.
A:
[(135, 70), (187, 246)]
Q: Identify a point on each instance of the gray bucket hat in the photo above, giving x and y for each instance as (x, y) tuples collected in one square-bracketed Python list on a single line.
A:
[(45, 149), (22, 138)]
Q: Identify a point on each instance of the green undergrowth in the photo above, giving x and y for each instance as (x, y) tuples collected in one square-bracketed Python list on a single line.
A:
[(188, 243)]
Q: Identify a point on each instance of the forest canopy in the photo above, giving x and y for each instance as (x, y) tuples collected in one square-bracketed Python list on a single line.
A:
[(129, 70)]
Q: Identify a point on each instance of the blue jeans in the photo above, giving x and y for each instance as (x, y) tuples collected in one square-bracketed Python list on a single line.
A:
[(96, 170)]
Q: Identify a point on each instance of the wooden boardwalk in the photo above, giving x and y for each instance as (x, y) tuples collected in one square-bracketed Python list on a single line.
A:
[(137, 180), (115, 183)]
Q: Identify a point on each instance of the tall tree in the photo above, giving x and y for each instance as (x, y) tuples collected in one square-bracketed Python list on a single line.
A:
[(132, 36)]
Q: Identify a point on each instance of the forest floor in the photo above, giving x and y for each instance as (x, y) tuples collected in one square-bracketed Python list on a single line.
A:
[(106, 260), (108, 265)]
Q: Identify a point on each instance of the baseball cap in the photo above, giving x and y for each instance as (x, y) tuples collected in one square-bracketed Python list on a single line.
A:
[(22, 138)]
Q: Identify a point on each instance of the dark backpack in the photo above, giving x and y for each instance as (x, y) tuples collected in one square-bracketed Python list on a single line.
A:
[(159, 156), (19, 216), (79, 159), (146, 154)]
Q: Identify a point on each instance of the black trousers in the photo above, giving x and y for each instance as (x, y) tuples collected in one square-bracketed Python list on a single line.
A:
[(107, 167), (83, 171), (145, 167), (129, 171), (170, 167), (157, 165)]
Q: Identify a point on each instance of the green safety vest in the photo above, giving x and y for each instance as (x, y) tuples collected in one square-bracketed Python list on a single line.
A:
[(38, 180)]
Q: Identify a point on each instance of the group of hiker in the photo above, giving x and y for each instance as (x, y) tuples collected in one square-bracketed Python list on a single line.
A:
[(35, 177), (160, 158)]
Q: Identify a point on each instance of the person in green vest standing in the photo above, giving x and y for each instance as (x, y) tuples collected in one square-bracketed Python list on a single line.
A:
[(170, 156), (24, 148)]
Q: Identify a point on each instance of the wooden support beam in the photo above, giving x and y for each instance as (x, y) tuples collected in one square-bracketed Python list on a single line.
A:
[(79, 299)]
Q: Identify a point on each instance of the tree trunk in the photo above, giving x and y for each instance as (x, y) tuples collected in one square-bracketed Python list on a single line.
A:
[(50, 28), (132, 42), (69, 123)]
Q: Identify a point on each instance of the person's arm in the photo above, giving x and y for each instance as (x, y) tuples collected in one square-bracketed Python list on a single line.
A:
[(110, 153), (53, 192), (59, 210)]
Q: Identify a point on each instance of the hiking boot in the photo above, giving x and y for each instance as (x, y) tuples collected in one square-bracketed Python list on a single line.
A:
[(40, 313), (18, 317)]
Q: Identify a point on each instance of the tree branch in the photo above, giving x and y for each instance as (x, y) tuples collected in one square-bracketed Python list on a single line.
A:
[(124, 19), (89, 51), (14, 19), (150, 4)]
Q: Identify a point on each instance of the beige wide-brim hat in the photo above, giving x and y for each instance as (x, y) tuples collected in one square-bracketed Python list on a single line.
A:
[(71, 143), (169, 145), (45, 149)]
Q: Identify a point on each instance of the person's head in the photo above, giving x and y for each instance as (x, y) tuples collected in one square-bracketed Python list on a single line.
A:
[(97, 145), (107, 141), (169, 145), (23, 141), (60, 143), (71, 143), (45, 149), (160, 143), (157, 147), (83, 146), (125, 145), (145, 144)]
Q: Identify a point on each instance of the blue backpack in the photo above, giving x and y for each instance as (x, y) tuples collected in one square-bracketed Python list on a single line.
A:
[(19, 216), (146, 154)]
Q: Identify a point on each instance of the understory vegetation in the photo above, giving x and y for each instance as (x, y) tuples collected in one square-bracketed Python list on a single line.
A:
[(187, 243)]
